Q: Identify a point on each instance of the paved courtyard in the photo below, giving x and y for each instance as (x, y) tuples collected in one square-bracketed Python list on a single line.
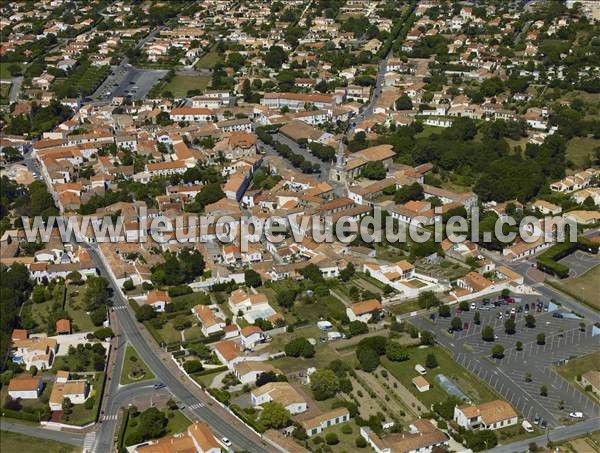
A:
[(565, 339)]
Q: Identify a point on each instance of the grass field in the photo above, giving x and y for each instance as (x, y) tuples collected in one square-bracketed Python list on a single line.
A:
[(576, 367), (180, 84), (579, 150), (208, 60), (13, 442), (4, 92), (585, 288), (206, 379), (475, 389), (75, 307), (405, 307), (177, 423), (346, 441), (134, 364)]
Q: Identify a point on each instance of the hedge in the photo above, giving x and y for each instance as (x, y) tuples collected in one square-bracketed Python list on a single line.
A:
[(548, 261), (28, 416)]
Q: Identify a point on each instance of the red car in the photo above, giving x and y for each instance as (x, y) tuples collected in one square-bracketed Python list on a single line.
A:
[(466, 326), (510, 300)]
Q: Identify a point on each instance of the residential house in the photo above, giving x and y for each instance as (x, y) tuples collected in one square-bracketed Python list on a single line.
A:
[(158, 300), (492, 415), (25, 387), (280, 392), (365, 310), (211, 324), (315, 425)]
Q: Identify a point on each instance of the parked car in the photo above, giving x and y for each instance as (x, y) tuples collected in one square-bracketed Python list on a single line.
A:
[(466, 326), (473, 306), (458, 311), (486, 301), (513, 311), (510, 300), (543, 424), (526, 308), (527, 426), (432, 316), (519, 309), (226, 442), (576, 415), (557, 315), (536, 420)]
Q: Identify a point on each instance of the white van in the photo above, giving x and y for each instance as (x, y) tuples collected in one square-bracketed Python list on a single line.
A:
[(420, 369), (527, 426)]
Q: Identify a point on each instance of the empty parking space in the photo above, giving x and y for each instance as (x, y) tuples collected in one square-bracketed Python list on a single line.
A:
[(520, 374)]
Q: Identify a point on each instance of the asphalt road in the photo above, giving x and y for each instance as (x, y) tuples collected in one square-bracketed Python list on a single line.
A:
[(558, 434), (74, 439), (15, 88), (199, 405)]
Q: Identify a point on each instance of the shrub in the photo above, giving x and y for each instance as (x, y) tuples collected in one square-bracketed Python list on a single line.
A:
[(331, 439), (360, 442), (193, 366)]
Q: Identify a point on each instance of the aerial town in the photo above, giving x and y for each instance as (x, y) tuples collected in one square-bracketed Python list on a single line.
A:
[(326, 301)]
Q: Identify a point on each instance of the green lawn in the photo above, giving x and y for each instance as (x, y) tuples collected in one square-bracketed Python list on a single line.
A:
[(168, 334), (206, 379), (4, 92), (31, 404), (177, 423), (134, 368), (4, 72), (580, 149), (180, 84), (346, 441), (477, 390), (405, 307), (13, 442), (576, 367), (75, 307), (585, 288), (208, 60)]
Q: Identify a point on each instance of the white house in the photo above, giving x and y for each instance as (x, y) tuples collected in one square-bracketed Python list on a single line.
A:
[(493, 415), (247, 372), (365, 310), (314, 426), (251, 336), (281, 392), (25, 387), (158, 300), (211, 324), (76, 390)]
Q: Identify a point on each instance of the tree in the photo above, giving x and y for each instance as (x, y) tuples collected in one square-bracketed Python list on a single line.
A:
[(544, 390), (444, 311), (519, 345), (541, 339), (510, 326), (331, 439), (456, 323), (487, 333), (404, 103), (427, 338), (324, 384), (498, 351), (265, 378), (151, 424), (347, 273), (357, 328), (360, 442), (528, 377), (145, 313), (530, 321), (464, 305), (481, 439), (477, 318), (431, 361), (252, 278), (128, 285), (395, 352), (300, 347), (275, 57), (368, 358), (274, 415), (193, 366), (374, 170), (103, 333)]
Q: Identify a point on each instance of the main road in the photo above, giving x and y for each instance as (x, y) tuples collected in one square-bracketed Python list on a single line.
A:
[(199, 404)]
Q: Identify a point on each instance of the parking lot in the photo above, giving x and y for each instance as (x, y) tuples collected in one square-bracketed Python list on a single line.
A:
[(129, 81), (519, 375)]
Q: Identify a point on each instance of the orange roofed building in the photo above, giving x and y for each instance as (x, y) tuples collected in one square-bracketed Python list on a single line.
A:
[(197, 439)]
